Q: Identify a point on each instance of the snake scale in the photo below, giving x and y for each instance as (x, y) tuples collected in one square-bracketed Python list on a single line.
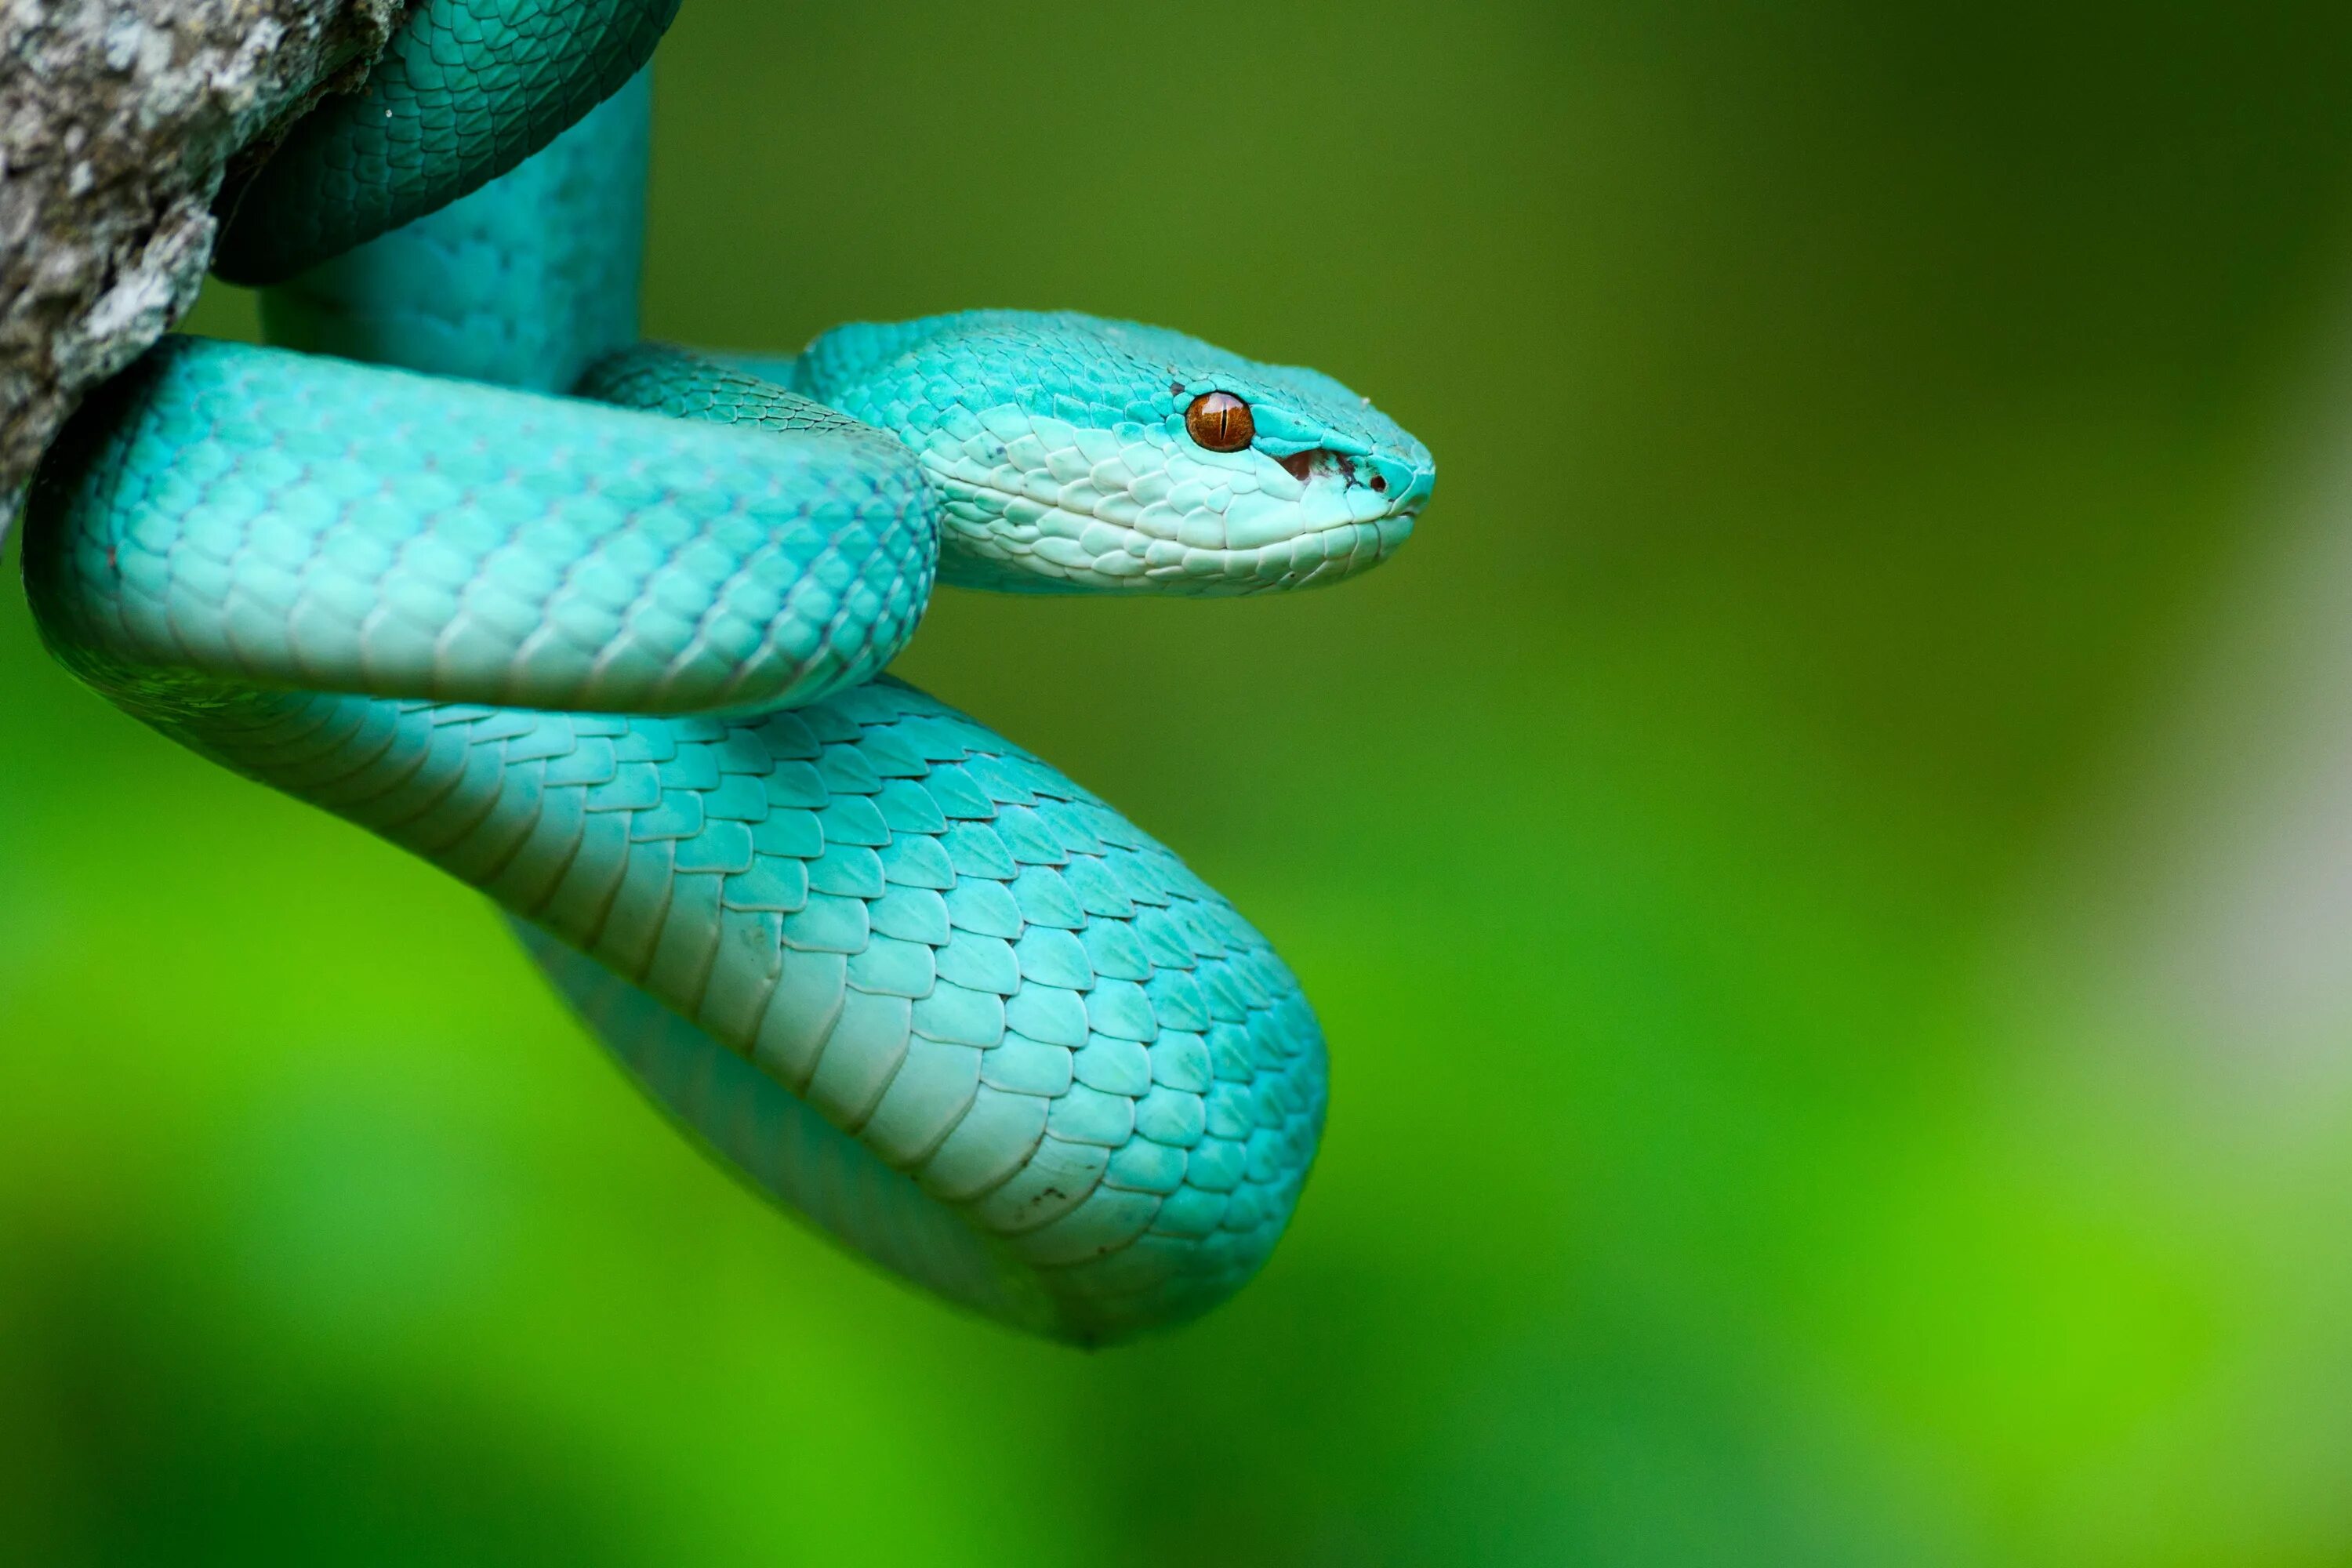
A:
[(600, 628)]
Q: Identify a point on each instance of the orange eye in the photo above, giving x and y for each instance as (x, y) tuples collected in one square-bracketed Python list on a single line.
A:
[(1219, 422)]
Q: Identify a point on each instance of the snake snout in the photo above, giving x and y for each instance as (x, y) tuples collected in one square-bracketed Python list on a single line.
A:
[(1404, 483), (1420, 485)]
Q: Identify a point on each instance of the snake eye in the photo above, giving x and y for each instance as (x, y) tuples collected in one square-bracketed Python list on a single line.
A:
[(1219, 422)]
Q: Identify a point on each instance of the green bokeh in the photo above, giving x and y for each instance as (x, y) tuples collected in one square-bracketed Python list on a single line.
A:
[(1850, 419)]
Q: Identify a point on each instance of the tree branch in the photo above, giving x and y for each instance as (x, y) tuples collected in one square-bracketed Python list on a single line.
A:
[(118, 120)]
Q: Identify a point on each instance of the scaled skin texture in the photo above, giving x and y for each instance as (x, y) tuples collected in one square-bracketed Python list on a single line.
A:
[(614, 658)]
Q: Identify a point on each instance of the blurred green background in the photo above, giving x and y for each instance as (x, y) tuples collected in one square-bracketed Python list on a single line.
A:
[(1827, 866)]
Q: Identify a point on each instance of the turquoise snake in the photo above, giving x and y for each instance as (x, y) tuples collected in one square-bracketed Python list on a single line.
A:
[(600, 628)]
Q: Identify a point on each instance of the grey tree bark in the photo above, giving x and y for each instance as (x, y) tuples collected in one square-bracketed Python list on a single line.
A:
[(118, 122)]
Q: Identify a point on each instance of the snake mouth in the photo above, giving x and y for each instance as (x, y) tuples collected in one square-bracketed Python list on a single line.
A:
[(1006, 540)]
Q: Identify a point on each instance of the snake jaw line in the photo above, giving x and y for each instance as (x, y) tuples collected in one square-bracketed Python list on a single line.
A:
[(1016, 530)]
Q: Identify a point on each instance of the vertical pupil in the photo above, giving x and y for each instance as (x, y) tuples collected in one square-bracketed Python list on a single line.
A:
[(1219, 422)]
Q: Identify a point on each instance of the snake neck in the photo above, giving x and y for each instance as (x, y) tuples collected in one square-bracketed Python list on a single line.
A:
[(526, 282)]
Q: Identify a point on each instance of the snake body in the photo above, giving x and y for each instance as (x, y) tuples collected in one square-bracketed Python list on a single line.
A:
[(599, 627)]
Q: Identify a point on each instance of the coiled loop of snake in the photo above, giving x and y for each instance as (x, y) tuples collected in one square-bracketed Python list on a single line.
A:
[(616, 658)]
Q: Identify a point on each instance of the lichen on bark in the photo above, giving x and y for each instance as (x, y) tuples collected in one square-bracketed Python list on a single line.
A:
[(118, 122)]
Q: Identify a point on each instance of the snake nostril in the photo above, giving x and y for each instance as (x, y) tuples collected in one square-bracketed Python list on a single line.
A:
[(1380, 485)]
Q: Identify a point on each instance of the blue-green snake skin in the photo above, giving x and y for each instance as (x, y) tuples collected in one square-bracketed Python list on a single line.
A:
[(600, 628)]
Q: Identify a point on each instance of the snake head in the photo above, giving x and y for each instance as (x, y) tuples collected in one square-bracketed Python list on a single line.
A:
[(1081, 455)]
